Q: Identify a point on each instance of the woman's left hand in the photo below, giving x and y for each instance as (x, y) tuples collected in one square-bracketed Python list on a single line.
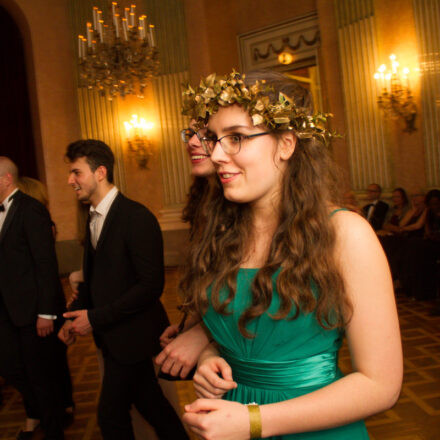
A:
[(217, 419)]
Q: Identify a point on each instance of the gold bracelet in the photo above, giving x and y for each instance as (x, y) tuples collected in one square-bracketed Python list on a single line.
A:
[(254, 420)]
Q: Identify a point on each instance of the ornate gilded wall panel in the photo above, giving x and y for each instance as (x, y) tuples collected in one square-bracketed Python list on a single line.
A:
[(174, 161), (427, 17), (359, 59)]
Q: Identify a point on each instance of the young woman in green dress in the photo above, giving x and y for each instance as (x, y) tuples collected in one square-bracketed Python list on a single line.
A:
[(279, 274)]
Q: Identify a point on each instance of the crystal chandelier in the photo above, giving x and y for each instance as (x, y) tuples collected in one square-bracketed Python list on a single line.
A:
[(114, 58), (396, 99)]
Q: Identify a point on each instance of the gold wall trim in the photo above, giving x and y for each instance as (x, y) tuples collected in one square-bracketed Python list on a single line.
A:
[(99, 119), (427, 19), (359, 59), (259, 48), (176, 170)]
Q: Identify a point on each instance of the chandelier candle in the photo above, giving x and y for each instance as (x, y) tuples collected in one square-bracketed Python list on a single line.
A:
[(120, 57)]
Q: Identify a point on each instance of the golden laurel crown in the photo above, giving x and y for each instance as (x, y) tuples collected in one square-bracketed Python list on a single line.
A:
[(215, 91)]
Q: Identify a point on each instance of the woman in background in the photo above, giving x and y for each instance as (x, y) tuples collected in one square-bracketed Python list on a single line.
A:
[(396, 213), (394, 238), (420, 270), (36, 189), (183, 346)]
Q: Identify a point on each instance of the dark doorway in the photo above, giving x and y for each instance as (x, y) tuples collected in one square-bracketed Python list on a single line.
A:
[(16, 134)]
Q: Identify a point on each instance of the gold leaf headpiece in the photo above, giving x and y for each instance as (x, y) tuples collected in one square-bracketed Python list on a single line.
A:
[(214, 92)]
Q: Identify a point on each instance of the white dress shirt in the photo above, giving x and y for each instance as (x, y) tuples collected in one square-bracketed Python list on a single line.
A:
[(371, 209), (99, 214), (7, 204)]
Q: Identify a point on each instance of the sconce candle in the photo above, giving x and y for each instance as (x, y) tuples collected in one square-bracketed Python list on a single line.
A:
[(395, 98), (137, 130)]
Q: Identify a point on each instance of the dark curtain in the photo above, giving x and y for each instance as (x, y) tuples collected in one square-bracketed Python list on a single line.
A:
[(16, 135)]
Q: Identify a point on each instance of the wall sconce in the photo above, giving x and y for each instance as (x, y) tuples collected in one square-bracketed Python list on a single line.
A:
[(137, 140), (396, 99)]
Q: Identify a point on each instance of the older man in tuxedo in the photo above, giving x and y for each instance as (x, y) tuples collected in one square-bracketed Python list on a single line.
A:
[(376, 210), (119, 298), (31, 304)]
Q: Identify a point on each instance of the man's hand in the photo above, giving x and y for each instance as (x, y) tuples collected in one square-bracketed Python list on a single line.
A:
[(80, 324), (169, 334), (182, 353), (66, 334), (44, 327), (74, 279)]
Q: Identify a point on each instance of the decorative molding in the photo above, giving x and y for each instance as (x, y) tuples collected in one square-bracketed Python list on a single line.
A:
[(352, 11), (427, 19), (359, 58), (176, 169), (170, 219), (300, 36), (99, 119), (286, 45)]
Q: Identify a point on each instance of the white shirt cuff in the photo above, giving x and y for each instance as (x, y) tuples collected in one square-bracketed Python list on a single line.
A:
[(48, 316)]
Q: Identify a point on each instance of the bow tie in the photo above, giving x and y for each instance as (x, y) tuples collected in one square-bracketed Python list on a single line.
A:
[(2, 208)]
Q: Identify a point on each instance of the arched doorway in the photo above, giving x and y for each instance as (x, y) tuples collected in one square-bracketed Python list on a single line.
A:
[(16, 133)]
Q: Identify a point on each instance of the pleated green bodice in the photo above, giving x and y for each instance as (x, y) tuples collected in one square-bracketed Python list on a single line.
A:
[(286, 358)]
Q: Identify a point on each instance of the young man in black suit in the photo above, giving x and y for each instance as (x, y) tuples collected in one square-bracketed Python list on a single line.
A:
[(375, 211), (119, 298), (31, 304)]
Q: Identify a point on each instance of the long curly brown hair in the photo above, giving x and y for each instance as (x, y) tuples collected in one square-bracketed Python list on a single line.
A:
[(303, 245), (193, 211)]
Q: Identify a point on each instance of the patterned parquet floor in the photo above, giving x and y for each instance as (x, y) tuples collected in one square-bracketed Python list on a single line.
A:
[(416, 416)]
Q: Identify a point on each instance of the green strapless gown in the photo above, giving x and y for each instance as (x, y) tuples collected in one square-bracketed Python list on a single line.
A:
[(286, 359)]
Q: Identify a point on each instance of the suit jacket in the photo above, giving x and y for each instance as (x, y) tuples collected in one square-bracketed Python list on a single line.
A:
[(378, 216), (123, 281), (29, 280)]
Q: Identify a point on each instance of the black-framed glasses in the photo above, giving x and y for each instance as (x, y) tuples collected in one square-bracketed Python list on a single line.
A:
[(230, 143), (187, 133)]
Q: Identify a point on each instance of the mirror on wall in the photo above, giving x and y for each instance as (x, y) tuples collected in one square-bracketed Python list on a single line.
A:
[(308, 78)]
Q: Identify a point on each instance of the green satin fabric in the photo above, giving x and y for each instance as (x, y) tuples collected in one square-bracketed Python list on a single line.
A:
[(313, 371), (286, 359)]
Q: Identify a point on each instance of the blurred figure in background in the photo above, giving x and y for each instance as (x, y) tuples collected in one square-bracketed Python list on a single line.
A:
[(396, 213), (419, 267), (30, 310), (350, 202), (36, 189), (375, 211)]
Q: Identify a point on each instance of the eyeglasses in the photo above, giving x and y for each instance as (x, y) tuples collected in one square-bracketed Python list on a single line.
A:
[(187, 133), (231, 143)]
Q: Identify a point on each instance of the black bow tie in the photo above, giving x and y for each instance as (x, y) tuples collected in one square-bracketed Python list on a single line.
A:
[(2, 208)]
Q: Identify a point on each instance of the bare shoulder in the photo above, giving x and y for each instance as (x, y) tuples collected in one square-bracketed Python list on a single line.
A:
[(348, 222), (353, 232)]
